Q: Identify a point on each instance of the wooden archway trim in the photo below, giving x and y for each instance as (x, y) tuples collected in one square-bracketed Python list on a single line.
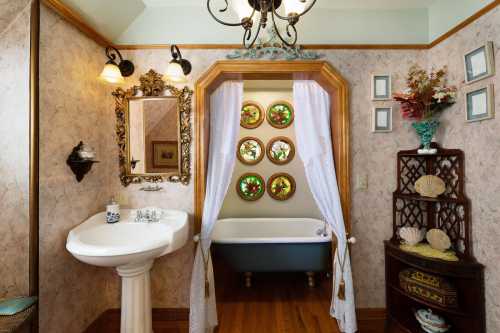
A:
[(320, 71)]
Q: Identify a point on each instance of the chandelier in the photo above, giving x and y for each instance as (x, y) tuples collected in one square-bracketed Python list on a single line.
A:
[(294, 9)]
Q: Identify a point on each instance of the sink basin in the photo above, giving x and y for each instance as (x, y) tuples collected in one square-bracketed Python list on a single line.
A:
[(131, 247)]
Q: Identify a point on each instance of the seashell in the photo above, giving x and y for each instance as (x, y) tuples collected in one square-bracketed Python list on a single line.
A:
[(430, 322), (412, 236), (430, 186), (438, 239)]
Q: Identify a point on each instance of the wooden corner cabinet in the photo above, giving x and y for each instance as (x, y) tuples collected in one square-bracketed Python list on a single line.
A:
[(453, 290)]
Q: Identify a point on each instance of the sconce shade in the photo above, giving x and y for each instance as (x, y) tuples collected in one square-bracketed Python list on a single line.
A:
[(175, 73), (112, 74)]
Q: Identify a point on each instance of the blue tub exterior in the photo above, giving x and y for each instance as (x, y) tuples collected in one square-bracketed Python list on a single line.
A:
[(275, 257)]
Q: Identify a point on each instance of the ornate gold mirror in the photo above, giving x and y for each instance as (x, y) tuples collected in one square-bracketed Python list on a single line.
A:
[(154, 131)]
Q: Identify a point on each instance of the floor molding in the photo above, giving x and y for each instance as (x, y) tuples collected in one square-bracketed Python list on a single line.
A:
[(79, 23), (165, 320)]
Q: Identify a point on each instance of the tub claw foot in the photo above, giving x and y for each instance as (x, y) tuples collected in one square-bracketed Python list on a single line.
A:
[(248, 279), (310, 279)]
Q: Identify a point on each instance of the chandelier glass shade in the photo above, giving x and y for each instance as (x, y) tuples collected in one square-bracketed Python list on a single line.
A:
[(247, 9)]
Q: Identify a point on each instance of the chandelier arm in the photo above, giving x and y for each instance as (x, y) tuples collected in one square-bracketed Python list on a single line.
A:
[(287, 31), (227, 23), (112, 52), (286, 18), (247, 35)]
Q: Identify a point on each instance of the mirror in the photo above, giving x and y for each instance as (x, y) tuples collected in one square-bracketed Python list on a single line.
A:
[(154, 131), (153, 136)]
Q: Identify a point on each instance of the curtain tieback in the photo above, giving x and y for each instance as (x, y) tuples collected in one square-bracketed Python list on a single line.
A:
[(206, 260), (341, 291)]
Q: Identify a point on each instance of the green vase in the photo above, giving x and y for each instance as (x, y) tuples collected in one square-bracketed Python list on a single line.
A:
[(426, 130)]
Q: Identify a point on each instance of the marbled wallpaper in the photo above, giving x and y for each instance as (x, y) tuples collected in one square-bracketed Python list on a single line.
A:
[(14, 151), (9, 10), (74, 106), (481, 144)]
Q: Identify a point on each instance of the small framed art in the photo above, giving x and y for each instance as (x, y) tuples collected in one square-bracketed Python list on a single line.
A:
[(381, 87), (480, 104), (250, 187), (281, 186), (165, 154), (280, 150), (479, 63), (252, 115), (280, 114), (382, 120), (250, 150)]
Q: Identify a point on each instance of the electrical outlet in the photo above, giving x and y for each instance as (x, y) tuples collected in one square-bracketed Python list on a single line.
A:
[(362, 182)]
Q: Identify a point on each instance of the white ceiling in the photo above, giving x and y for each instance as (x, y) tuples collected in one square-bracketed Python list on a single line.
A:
[(329, 22), (344, 4)]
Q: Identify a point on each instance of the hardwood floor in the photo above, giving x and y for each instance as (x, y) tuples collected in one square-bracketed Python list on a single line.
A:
[(276, 303)]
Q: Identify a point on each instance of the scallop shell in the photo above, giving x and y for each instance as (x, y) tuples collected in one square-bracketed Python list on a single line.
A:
[(430, 186), (412, 236), (438, 239)]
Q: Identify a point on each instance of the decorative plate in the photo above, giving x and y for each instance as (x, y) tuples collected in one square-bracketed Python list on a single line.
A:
[(250, 150), (280, 114), (280, 150), (250, 187), (281, 186), (430, 186), (252, 115), (438, 240)]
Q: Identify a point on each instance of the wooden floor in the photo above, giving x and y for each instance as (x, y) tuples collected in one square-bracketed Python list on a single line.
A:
[(280, 303)]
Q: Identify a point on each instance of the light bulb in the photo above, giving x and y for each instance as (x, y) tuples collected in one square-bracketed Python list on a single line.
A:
[(175, 73), (112, 74), (242, 8), (294, 6)]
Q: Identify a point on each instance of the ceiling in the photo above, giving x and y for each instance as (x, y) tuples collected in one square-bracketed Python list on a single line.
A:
[(132, 22)]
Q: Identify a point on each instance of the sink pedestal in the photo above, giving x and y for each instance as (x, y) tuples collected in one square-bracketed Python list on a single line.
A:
[(136, 298)]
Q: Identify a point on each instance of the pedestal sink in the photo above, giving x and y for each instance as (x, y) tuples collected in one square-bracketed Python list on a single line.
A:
[(131, 247)]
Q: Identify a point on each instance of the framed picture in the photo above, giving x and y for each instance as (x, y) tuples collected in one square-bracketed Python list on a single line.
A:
[(280, 150), (479, 63), (250, 150), (252, 115), (280, 114), (382, 120), (165, 154), (381, 87), (281, 186), (250, 186), (480, 104)]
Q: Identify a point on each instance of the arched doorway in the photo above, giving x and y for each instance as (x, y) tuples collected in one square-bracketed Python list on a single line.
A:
[(320, 71)]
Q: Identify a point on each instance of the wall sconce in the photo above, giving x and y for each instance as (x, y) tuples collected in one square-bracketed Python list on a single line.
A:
[(178, 68), (114, 73)]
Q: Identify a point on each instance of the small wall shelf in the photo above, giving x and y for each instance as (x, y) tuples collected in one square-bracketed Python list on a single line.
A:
[(79, 166), (450, 213)]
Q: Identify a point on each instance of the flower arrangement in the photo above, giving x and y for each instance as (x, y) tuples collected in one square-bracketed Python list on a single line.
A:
[(426, 96), (425, 99)]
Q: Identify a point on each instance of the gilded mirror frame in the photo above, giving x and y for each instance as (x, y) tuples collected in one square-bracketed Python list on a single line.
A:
[(152, 85)]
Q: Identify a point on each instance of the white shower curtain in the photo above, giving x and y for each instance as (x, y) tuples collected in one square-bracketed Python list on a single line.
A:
[(225, 105), (312, 127)]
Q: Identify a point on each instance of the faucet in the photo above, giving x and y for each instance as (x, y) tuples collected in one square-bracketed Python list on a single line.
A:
[(147, 216)]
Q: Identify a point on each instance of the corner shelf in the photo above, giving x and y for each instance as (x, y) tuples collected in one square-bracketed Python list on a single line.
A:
[(449, 212)]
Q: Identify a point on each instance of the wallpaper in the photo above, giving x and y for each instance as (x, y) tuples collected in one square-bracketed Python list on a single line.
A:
[(481, 144), (9, 10), (76, 106), (14, 155)]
